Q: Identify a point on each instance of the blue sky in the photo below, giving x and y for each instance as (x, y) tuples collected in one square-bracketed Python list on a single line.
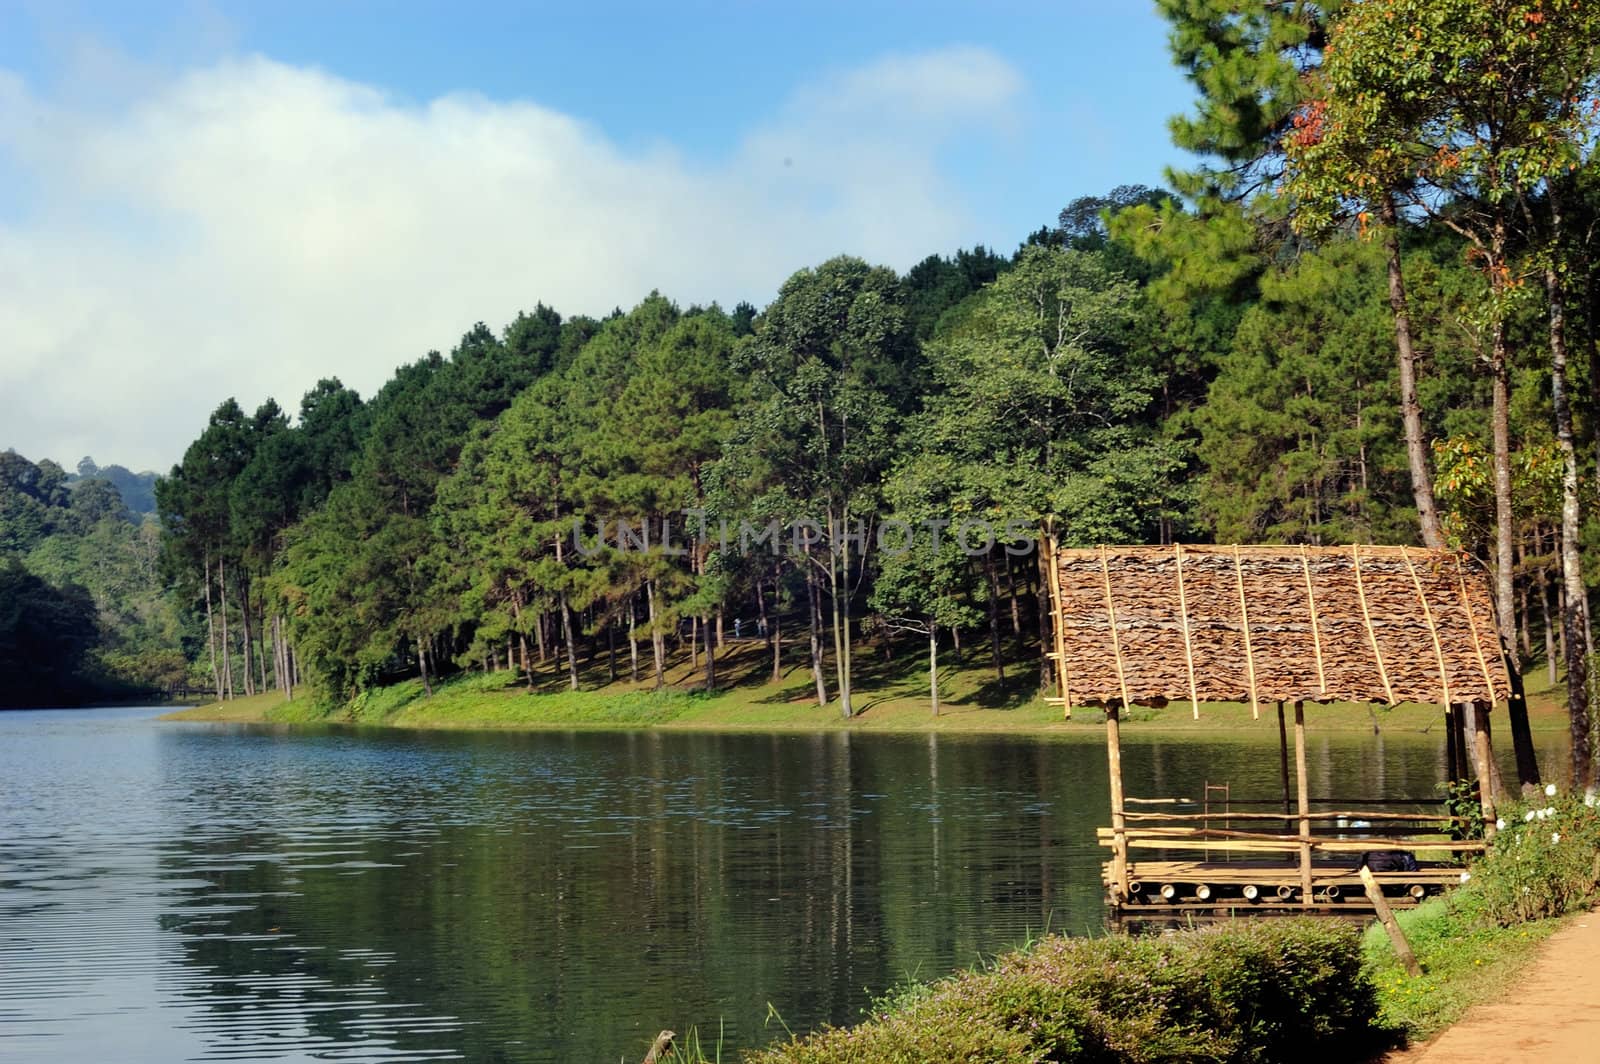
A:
[(201, 200)]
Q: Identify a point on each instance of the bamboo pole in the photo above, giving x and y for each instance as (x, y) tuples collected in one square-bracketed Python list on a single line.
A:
[(1366, 617), (1477, 642), (1304, 801), (1440, 819), (1188, 646), (1283, 756), (1057, 617), (1119, 827), (1244, 625), (1119, 853), (1433, 629), (1480, 757), (1316, 635), (1402, 948), (1111, 617)]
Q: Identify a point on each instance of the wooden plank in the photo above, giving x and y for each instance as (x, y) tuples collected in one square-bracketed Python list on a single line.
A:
[(1398, 937)]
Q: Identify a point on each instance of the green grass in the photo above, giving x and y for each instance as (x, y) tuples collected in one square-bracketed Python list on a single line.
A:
[(891, 696), (1463, 963)]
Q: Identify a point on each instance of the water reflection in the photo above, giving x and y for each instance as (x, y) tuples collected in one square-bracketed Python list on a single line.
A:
[(209, 892)]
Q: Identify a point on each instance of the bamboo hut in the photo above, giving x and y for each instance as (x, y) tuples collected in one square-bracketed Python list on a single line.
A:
[(1269, 626)]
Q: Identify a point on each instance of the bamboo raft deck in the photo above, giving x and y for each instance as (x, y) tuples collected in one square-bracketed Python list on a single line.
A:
[(1200, 866), (1277, 885)]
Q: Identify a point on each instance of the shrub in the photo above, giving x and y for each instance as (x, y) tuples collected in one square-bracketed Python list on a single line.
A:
[(1249, 993), (1545, 861)]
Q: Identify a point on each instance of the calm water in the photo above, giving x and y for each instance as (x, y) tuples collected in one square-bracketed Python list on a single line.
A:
[(211, 892)]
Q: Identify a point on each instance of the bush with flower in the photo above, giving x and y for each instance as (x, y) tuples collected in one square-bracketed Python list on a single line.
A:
[(1545, 861)]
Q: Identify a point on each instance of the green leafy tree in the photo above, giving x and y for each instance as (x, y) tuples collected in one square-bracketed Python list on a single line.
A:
[(835, 368)]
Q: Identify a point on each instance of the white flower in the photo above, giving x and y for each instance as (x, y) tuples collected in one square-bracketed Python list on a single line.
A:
[(1588, 799), (1555, 837), (1528, 816), (1465, 876), (1549, 790), (1549, 810)]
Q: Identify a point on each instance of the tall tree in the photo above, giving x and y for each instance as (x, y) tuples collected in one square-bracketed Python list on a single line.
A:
[(836, 369), (1467, 108)]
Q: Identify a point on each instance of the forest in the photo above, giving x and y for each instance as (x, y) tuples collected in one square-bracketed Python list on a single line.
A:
[(1371, 317)]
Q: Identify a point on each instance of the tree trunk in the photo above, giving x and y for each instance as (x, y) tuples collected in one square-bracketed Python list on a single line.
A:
[(227, 651), (1549, 616), (611, 652), (1410, 408), (838, 584), (712, 636), (994, 617), (1504, 543), (244, 621), (814, 609), (658, 645), (1573, 624), (422, 666), (261, 643), (211, 630), (1011, 595), (288, 658), (1046, 671), (1524, 614), (933, 666), (633, 641), (572, 650)]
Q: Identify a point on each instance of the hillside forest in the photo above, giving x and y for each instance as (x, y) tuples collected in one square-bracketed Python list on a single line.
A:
[(1370, 317)]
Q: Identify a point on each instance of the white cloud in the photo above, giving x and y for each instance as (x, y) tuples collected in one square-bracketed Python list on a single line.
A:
[(246, 228)]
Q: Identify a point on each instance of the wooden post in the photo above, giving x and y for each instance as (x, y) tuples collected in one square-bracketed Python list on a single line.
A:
[(1452, 762), (1119, 825), (1283, 756), (1304, 802), (1402, 948), (1481, 754), (1188, 648)]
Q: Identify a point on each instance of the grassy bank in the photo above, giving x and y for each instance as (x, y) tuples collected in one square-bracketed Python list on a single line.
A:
[(891, 696), (1463, 962)]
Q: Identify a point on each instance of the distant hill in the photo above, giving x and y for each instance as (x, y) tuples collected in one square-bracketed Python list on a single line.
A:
[(137, 489)]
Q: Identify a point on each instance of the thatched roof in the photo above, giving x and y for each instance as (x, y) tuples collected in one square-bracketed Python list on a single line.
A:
[(1390, 624)]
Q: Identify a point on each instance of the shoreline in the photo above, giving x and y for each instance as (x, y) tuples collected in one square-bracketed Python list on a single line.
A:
[(497, 703)]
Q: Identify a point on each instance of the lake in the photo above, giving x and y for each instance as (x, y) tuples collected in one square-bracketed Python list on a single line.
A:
[(223, 892)]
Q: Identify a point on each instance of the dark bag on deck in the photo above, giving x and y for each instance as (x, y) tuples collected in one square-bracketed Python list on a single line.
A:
[(1390, 860)]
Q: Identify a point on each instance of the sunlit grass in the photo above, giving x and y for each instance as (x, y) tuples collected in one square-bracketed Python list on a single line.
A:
[(1463, 962)]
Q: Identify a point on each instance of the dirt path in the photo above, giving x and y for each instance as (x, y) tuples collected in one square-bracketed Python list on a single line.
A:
[(1553, 1017)]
